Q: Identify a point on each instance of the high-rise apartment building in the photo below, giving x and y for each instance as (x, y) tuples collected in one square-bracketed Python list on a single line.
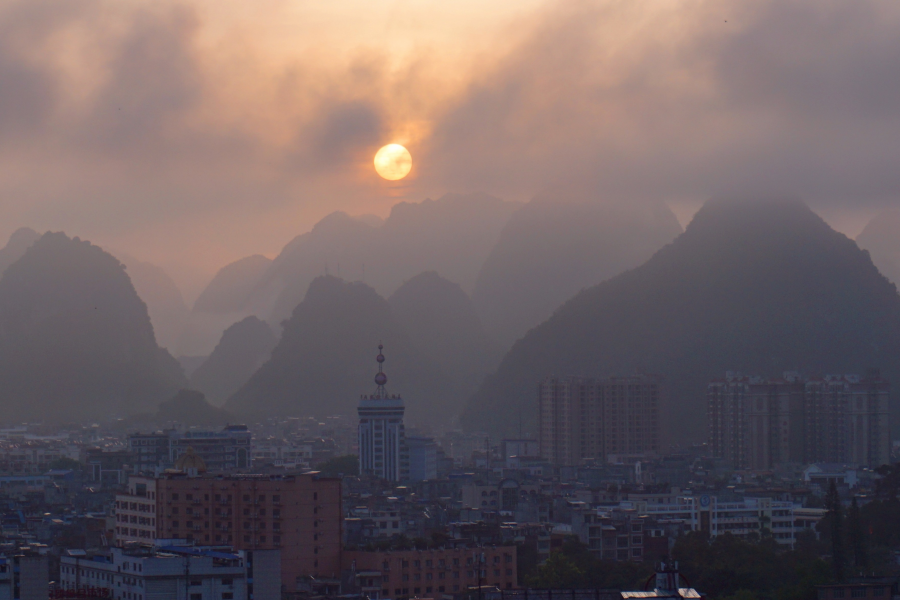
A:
[(582, 418), (300, 515), (757, 423), (382, 438)]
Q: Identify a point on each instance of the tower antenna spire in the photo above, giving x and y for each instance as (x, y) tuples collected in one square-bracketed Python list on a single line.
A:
[(380, 377)]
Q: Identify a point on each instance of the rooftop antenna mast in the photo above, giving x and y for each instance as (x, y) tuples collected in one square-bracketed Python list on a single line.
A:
[(380, 377)]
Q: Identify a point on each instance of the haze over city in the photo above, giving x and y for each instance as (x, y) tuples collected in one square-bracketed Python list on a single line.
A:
[(400, 300)]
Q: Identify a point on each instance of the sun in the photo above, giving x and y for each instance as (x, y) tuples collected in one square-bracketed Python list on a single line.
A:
[(393, 162)]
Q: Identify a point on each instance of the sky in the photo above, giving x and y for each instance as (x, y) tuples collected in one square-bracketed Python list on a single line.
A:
[(192, 133)]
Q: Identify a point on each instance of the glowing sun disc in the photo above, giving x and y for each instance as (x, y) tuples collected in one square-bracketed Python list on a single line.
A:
[(393, 162)]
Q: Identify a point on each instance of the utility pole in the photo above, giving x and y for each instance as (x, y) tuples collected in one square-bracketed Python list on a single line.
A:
[(187, 576)]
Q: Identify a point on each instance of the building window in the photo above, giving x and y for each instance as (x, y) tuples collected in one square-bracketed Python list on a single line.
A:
[(837, 593), (858, 592)]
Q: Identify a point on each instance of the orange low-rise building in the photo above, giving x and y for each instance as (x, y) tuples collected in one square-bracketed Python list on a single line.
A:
[(300, 515), (398, 574)]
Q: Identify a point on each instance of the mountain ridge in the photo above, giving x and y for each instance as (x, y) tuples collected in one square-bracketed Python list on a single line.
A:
[(75, 338), (751, 285)]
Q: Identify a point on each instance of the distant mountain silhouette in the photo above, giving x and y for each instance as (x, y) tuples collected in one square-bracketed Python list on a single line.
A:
[(189, 364), (230, 288), (556, 245), (326, 359), (336, 245), (223, 302), (451, 235), (440, 320), (752, 286), (75, 339), (20, 241), (244, 347), (190, 407), (165, 304), (880, 238)]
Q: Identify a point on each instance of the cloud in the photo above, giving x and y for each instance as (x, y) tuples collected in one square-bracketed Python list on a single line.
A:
[(689, 98), (189, 130), (151, 85)]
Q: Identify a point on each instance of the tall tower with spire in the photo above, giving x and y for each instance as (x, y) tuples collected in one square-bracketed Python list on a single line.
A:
[(382, 440)]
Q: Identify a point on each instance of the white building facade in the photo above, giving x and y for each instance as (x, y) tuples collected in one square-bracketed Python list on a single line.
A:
[(750, 516), (175, 574), (382, 438)]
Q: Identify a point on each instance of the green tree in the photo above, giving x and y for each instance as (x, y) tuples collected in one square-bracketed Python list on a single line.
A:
[(836, 529), (765, 523), (527, 560), (857, 537), (340, 465), (558, 572), (65, 463), (728, 566), (888, 487), (742, 595)]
